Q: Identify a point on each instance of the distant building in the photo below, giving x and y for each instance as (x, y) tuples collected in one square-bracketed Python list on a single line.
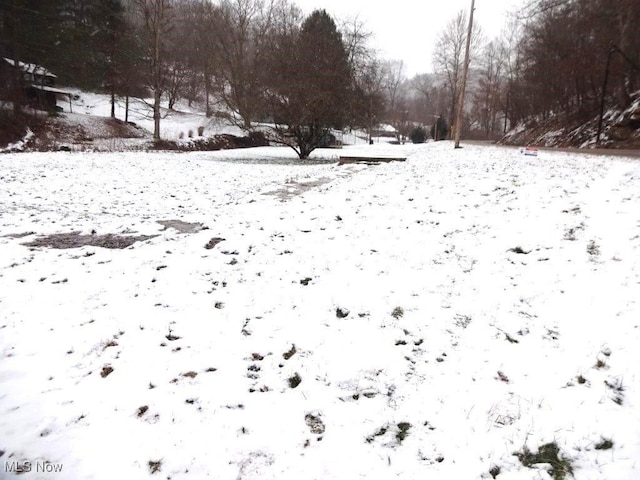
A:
[(384, 130), (37, 83)]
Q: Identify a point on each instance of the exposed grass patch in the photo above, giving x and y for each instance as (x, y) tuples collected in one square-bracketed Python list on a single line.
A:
[(294, 380), (213, 242), (617, 387), (75, 240), (549, 453), (290, 353), (315, 424), (403, 431), (110, 343), (571, 233), (142, 410), (462, 321), (593, 249), (519, 250), (604, 444), (379, 433), (155, 466)]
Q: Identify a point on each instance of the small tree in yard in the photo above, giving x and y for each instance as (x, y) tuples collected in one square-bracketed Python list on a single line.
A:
[(418, 135), (309, 84)]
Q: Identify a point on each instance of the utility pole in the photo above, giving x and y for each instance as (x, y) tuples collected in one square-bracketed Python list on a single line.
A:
[(465, 73)]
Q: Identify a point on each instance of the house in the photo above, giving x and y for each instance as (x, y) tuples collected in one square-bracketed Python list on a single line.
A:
[(37, 83)]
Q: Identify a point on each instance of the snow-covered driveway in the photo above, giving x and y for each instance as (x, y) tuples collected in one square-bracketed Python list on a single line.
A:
[(427, 319)]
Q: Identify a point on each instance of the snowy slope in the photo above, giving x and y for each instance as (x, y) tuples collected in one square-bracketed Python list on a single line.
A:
[(174, 124), (425, 319)]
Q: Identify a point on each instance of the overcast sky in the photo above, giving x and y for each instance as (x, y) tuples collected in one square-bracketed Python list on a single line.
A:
[(407, 29)]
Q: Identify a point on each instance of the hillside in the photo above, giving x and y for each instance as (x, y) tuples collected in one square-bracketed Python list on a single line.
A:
[(621, 130), (73, 130), (86, 124)]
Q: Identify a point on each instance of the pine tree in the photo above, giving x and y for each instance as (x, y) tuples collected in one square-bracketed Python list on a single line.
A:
[(310, 84)]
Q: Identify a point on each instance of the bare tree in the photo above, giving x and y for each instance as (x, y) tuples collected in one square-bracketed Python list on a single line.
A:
[(486, 99), (397, 113), (510, 41), (449, 55), (367, 98), (572, 39), (242, 37), (156, 17), (190, 51), (356, 38)]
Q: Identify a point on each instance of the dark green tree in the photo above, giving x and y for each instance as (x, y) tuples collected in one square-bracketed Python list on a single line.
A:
[(418, 135), (309, 85)]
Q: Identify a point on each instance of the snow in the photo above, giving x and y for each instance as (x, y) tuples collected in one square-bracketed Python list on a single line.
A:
[(491, 301), (182, 122)]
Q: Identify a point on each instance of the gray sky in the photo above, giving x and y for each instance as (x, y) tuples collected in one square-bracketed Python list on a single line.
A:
[(407, 29)]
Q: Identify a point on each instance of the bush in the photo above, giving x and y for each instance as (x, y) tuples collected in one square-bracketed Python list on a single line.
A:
[(439, 130), (418, 135), (216, 142)]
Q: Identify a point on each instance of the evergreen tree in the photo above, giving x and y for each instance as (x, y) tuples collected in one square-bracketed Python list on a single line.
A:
[(310, 84)]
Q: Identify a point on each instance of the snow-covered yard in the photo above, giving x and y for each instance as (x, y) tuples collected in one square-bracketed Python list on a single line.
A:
[(436, 318)]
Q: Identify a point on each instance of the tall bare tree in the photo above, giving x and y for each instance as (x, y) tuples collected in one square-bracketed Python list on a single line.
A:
[(397, 112), (242, 35), (156, 20), (487, 97), (448, 57)]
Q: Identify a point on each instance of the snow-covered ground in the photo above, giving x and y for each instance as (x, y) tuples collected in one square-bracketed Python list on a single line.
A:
[(425, 319), (183, 122)]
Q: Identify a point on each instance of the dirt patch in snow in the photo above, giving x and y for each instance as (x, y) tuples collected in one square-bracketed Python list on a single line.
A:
[(182, 227), (76, 240), (18, 235), (293, 188)]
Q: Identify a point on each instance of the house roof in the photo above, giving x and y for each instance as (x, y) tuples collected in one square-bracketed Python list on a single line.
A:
[(52, 90), (30, 68)]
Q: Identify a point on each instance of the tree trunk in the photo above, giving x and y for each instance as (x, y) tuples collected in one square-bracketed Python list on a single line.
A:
[(207, 89), (156, 113), (465, 74)]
